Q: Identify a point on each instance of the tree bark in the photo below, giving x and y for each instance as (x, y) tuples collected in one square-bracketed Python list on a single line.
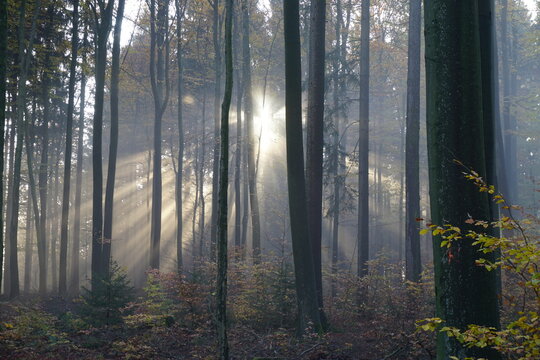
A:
[(25, 53), (413, 265), (159, 71), (28, 244), (315, 138), (113, 146), (179, 172), (248, 113), (363, 145), (216, 37), (238, 150), (308, 307), (54, 219), (62, 286), (222, 260), (74, 286), (335, 151), (3, 77), (507, 120), (457, 130)]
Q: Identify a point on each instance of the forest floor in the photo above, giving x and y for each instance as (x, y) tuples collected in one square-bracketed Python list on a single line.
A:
[(31, 329), (171, 318)]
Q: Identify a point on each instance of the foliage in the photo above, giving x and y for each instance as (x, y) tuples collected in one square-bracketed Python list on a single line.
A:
[(383, 303), (518, 250), (171, 298), (105, 302), (31, 327), (263, 295)]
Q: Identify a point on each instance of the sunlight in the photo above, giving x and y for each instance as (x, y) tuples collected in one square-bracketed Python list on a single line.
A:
[(266, 128)]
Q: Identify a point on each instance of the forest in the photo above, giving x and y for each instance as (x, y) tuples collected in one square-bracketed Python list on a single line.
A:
[(267, 179)]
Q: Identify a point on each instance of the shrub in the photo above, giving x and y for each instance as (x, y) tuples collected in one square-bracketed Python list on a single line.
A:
[(103, 304)]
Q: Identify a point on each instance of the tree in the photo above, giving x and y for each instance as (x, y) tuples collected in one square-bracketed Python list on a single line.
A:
[(251, 138), (3, 77), (67, 155), (508, 119), (457, 130), (363, 145), (308, 307), (74, 285), (25, 54), (238, 151), (179, 172), (102, 28), (412, 171), (315, 137), (159, 78), (221, 293), (216, 38), (113, 146)]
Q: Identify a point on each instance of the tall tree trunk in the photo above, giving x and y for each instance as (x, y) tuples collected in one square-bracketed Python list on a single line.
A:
[(216, 37), (238, 150), (335, 151), (28, 243), (465, 293), (41, 245), (113, 146), (202, 217), (363, 145), (54, 220), (75, 254), (308, 307), (508, 128), (412, 147), (103, 28), (221, 293), (315, 138), (43, 165), (159, 71), (248, 113), (9, 190), (179, 172), (3, 77), (62, 286), (25, 52)]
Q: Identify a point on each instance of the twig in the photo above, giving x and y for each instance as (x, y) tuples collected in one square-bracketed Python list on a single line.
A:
[(308, 350)]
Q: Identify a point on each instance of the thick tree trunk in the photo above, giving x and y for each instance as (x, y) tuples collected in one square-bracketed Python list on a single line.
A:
[(465, 293), (62, 286), (412, 170), (363, 145), (308, 307), (315, 139)]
